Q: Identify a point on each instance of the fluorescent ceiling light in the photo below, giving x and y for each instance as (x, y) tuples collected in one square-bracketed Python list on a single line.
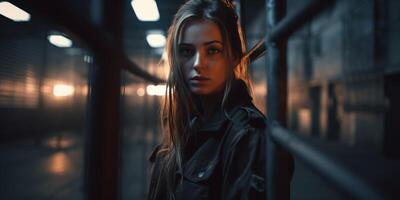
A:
[(156, 40), (59, 40), (62, 90), (156, 90), (13, 12), (145, 10)]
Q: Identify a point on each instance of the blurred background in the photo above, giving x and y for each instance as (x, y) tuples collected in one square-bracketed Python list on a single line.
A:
[(343, 92)]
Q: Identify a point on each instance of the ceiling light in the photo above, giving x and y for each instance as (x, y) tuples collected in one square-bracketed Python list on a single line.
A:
[(156, 90), (145, 10), (62, 90), (13, 12), (156, 40), (60, 41)]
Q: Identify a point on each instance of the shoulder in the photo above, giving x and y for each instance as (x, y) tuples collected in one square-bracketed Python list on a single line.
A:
[(245, 136), (248, 117), (247, 124)]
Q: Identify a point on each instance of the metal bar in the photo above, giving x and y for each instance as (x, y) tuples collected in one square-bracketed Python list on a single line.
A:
[(337, 175), (294, 21), (291, 23), (276, 103), (276, 66), (103, 139), (95, 36)]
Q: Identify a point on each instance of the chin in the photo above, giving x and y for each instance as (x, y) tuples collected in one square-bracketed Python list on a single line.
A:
[(204, 92), (200, 92)]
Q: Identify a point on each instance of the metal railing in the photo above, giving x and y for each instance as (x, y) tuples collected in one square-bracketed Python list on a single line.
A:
[(280, 139), (341, 178)]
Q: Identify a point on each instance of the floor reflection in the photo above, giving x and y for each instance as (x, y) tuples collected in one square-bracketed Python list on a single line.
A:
[(52, 167), (44, 168), (59, 163)]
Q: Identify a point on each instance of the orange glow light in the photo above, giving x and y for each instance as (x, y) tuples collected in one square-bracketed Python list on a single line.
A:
[(59, 163)]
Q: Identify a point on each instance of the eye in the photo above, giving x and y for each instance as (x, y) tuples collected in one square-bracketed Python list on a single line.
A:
[(213, 50), (186, 52)]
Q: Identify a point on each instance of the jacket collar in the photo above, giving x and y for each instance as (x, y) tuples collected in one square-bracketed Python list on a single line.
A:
[(239, 96)]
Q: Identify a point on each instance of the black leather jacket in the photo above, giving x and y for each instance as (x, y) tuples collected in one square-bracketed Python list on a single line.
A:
[(224, 158)]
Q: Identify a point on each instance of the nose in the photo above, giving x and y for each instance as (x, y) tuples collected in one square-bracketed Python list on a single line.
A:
[(199, 61)]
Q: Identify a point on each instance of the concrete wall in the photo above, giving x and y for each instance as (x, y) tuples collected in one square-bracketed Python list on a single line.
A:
[(343, 68), (342, 58)]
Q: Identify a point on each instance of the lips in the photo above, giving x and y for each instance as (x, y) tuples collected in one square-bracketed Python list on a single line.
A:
[(199, 78)]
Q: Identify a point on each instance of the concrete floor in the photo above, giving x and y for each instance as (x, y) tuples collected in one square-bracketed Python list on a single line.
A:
[(36, 171), (52, 168)]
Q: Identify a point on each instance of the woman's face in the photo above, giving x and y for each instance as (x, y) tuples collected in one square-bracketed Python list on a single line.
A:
[(201, 54)]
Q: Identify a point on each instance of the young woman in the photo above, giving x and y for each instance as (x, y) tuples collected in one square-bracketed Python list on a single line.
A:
[(213, 143)]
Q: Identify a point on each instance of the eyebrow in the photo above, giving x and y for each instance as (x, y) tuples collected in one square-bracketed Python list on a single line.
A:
[(213, 41), (205, 43)]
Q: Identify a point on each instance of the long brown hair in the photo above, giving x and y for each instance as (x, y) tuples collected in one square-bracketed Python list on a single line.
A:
[(179, 104)]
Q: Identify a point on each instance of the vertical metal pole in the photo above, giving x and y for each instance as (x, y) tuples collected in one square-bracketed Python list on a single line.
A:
[(103, 138), (276, 66), (276, 101), (41, 76)]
